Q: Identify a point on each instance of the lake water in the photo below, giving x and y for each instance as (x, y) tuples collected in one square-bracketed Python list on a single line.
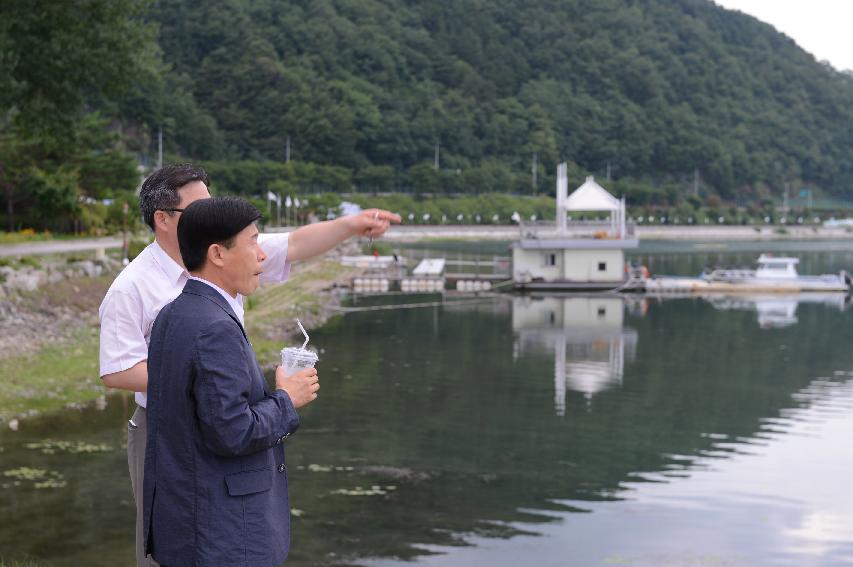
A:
[(563, 430)]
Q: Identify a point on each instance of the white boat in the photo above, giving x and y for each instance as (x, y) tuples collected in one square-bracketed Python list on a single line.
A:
[(773, 275)]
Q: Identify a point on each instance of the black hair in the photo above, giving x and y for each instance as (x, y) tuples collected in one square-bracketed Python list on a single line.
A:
[(160, 190), (212, 221)]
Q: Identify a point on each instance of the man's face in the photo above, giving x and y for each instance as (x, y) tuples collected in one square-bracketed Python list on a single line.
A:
[(189, 193), (242, 267)]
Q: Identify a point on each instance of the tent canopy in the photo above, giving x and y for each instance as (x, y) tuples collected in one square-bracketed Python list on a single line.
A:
[(592, 197)]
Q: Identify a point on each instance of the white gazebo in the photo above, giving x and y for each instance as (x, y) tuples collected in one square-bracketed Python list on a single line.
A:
[(575, 254), (589, 197)]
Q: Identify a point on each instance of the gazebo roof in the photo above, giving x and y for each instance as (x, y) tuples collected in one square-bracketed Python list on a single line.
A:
[(591, 197)]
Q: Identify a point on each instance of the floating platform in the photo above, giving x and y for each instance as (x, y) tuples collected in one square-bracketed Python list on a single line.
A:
[(569, 285), (699, 285)]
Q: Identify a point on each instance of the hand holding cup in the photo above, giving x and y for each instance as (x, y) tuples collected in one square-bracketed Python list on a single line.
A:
[(301, 386)]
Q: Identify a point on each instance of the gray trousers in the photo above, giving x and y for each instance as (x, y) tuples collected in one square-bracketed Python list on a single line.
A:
[(137, 429)]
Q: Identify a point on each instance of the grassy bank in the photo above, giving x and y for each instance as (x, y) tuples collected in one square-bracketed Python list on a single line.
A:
[(272, 311), (52, 377), (63, 372)]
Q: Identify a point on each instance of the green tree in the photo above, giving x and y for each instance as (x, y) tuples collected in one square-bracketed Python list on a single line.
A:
[(56, 56)]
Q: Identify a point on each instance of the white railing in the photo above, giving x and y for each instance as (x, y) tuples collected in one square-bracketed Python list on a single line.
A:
[(576, 229)]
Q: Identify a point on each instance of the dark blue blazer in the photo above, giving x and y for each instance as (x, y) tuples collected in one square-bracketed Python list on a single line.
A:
[(215, 488)]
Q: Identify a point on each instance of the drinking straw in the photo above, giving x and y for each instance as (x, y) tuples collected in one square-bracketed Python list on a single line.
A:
[(301, 328)]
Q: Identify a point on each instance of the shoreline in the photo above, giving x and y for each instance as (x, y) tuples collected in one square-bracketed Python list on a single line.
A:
[(414, 233)]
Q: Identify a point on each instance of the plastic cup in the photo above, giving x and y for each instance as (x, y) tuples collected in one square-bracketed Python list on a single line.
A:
[(294, 359)]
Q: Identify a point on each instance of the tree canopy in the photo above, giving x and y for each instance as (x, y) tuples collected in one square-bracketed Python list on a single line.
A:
[(654, 89), (59, 62), (666, 96)]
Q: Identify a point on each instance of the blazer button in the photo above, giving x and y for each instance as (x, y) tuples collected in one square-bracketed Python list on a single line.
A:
[(281, 468)]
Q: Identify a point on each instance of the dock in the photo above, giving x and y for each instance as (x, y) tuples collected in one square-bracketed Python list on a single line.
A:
[(430, 275)]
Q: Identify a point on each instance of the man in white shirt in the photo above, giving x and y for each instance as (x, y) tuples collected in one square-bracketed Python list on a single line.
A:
[(157, 275)]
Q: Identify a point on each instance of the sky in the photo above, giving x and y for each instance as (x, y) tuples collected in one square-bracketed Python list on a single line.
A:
[(821, 27)]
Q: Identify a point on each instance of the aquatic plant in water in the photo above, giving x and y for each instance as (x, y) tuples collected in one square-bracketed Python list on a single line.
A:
[(40, 478), (359, 491), (50, 447)]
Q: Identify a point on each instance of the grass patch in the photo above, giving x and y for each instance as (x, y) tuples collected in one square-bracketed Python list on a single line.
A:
[(26, 235), (272, 310), (383, 248), (51, 378), (20, 262)]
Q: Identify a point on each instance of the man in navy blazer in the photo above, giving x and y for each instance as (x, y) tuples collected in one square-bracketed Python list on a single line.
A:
[(215, 488)]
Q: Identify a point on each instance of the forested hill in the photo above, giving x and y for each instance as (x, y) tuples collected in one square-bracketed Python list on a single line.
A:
[(656, 88)]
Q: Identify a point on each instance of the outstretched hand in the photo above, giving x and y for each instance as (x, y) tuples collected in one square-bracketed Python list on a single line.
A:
[(373, 222)]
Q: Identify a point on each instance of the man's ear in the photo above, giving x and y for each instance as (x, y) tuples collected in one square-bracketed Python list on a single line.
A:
[(214, 255), (160, 220)]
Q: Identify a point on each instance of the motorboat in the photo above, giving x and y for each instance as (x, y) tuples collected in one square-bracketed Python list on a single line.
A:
[(774, 274), (779, 273)]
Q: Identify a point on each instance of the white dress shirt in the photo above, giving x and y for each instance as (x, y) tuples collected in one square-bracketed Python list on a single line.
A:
[(148, 283)]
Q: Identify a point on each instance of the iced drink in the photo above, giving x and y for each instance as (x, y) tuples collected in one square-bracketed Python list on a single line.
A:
[(294, 359)]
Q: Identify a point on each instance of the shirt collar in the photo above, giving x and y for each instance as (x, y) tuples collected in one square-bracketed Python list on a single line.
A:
[(173, 270), (234, 302)]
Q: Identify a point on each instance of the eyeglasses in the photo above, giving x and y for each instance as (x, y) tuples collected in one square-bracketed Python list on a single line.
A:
[(171, 210)]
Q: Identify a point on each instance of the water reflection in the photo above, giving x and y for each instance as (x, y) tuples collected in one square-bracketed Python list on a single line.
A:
[(685, 435), (779, 310), (586, 335)]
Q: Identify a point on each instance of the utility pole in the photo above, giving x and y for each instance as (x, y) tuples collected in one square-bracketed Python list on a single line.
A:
[(124, 243), (695, 181), (785, 199), (437, 149), (607, 175), (159, 147), (535, 172), (287, 151)]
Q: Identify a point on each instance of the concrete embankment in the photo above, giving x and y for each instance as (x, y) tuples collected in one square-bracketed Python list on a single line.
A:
[(414, 233)]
